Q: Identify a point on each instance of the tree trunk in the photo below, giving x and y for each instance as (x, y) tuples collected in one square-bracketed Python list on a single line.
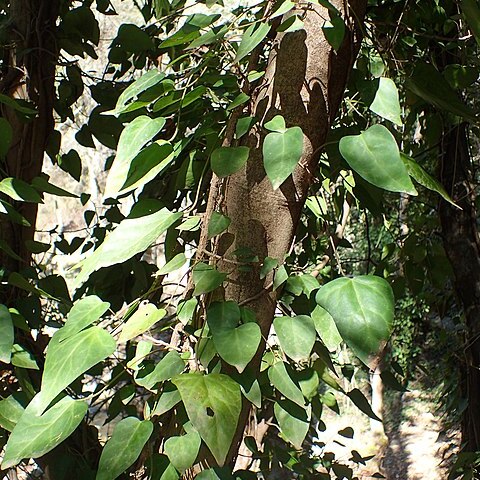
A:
[(28, 73), (304, 82), (462, 245)]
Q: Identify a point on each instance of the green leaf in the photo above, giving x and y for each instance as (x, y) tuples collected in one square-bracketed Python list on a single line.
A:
[(143, 319), (291, 24), (6, 334), (364, 315), (35, 435), (182, 451), (243, 126), (293, 421), (223, 316), (460, 76), (146, 81), (191, 224), (359, 399), (430, 85), (43, 185), (334, 31), (168, 399), (284, 7), (168, 367), (239, 345), (83, 313), (11, 409), (471, 10), (132, 139), (186, 309), (227, 160), (296, 336), (282, 381), (281, 153), (124, 447), (206, 278), (326, 328), (276, 124), (142, 350), (218, 223), (386, 102), (374, 155), (424, 179), (252, 37), (240, 99), (213, 403), (177, 262), (132, 236), (148, 164), (22, 358), (68, 358), (6, 135), (19, 190)]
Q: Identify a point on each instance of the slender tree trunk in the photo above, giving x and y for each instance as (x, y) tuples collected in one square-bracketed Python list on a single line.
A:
[(462, 245), (28, 73), (304, 82)]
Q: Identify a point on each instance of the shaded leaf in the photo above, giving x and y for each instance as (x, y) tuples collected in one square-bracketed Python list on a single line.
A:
[(6, 334), (128, 438), (228, 160), (296, 336), (218, 223), (281, 380), (293, 421), (252, 37), (326, 328), (206, 278), (168, 367)]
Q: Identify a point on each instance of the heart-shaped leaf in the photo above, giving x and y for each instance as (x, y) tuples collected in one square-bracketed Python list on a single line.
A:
[(182, 451), (223, 316), (168, 367), (227, 160), (296, 336), (124, 447), (218, 223), (362, 308), (374, 155), (239, 345), (35, 434), (326, 328), (213, 403), (293, 421), (281, 153)]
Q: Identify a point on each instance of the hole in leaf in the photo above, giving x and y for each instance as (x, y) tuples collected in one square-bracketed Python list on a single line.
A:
[(210, 412)]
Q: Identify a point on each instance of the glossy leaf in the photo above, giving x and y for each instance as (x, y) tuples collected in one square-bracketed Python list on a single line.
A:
[(424, 179), (133, 138), (293, 421), (364, 317), (281, 153), (146, 81), (206, 278), (226, 161), (213, 403), (132, 236), (68, 358), (374, 155), (296, 336), (143, 319), (252, 37), (281, 380), (386, 102), (124, 447), (6, 334), (34, 434), (182, 451)]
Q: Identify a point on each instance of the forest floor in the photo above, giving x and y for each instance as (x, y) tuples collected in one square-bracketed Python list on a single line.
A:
[(417, 446)]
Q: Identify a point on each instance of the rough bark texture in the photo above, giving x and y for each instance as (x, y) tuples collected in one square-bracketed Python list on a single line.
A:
[(462, 245), (28, 73), (304, 82)]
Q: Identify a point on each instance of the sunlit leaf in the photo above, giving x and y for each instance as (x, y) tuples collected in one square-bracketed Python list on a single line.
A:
[(386, 102), (143, 319), (6, 334), (252, 37), (281, 380), (293, 421), (296, 336), (227, 160), (213, 403), (182, 451), (364, 316), (374, 155)]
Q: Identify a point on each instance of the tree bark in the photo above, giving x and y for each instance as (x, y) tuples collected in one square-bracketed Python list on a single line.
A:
[(462, 245), (304, 82), (28, 73)]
